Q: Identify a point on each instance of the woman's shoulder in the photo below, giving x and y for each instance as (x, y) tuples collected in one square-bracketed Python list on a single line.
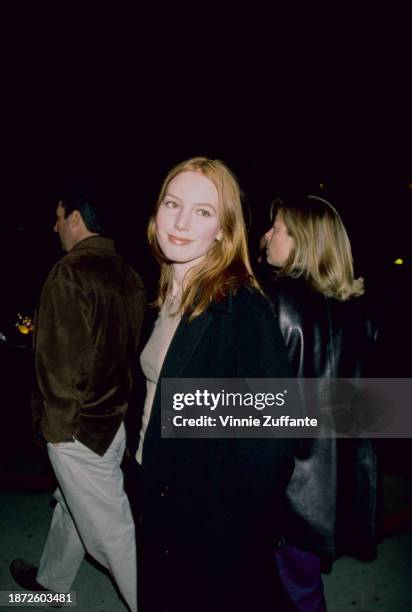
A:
[(356, 313), (296, 303), (250, 303), (249, 296), (286, 286), (290, 293)]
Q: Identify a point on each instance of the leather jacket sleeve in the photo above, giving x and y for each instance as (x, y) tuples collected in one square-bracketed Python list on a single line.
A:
[(332, 493), (60, 343)]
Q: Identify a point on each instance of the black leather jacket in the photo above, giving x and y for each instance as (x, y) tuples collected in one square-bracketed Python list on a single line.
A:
[(332, 494)]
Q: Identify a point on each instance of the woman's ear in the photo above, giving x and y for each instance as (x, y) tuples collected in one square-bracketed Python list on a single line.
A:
[(219, 235)]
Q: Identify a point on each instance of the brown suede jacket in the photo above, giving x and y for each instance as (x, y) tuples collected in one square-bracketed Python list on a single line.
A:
[(85, 341)]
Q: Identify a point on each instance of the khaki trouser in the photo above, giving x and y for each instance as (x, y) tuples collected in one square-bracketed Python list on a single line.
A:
[(92, 514)]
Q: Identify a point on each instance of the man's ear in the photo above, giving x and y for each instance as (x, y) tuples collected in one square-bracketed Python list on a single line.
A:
[(75, 218)]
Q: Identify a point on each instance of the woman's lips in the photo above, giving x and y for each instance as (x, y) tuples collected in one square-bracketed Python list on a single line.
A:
[(178, 241)]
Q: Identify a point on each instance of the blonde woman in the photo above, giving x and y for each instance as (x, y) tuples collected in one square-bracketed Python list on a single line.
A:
[(212, 509), (328, 333)]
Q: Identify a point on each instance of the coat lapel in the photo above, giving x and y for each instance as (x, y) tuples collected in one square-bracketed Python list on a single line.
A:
[(187, 338), (182, 348), (180, 352), (184, 344)]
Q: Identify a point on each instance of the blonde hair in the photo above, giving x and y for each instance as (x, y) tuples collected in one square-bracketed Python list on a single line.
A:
[(226, 266), (322, 252)]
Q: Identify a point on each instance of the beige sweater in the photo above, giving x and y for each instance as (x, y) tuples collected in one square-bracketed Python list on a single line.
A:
[(152, 358)]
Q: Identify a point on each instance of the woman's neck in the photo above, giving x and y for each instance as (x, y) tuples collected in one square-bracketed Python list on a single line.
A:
[(179, 274), (177, 283), (180, 271)]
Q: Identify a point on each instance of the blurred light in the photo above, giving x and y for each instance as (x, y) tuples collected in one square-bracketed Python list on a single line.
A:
[(410, 186), (322, 186), (398, 262), (24, 324)]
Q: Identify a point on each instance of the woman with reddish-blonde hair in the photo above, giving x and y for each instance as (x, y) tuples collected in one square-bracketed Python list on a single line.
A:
[(211, 508)]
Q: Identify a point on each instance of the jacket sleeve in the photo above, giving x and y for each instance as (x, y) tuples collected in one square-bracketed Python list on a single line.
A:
[(292, 333), (62, 333), (260, 346), (267, 463)]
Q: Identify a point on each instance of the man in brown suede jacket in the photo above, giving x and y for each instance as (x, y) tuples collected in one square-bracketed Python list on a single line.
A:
[(86, 336)]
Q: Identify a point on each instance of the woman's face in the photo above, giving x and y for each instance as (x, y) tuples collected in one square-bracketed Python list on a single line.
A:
[(278, 243), (187, 220)]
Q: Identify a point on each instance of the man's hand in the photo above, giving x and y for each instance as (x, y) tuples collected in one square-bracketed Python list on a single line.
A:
[(38, 439)]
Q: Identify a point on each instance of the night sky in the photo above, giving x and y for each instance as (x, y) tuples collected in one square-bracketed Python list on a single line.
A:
[(98, 99)]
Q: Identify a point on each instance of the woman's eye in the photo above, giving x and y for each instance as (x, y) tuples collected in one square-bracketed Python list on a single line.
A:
[(170, 204), (203, 212)]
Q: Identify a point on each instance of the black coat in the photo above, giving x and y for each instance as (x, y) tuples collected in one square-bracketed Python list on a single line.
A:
[(333, 491), (212, 508)]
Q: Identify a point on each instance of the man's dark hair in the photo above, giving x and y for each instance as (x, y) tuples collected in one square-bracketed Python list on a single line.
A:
[(87, 207)]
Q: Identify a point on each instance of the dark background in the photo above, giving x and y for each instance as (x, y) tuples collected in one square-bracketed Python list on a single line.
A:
[(113, 98)]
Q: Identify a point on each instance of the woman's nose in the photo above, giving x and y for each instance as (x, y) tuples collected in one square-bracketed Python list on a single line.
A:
[(183, 220), (268, 234)]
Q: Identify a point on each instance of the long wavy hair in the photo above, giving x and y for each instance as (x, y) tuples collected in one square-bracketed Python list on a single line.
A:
[(226, 266), (322, 252)]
